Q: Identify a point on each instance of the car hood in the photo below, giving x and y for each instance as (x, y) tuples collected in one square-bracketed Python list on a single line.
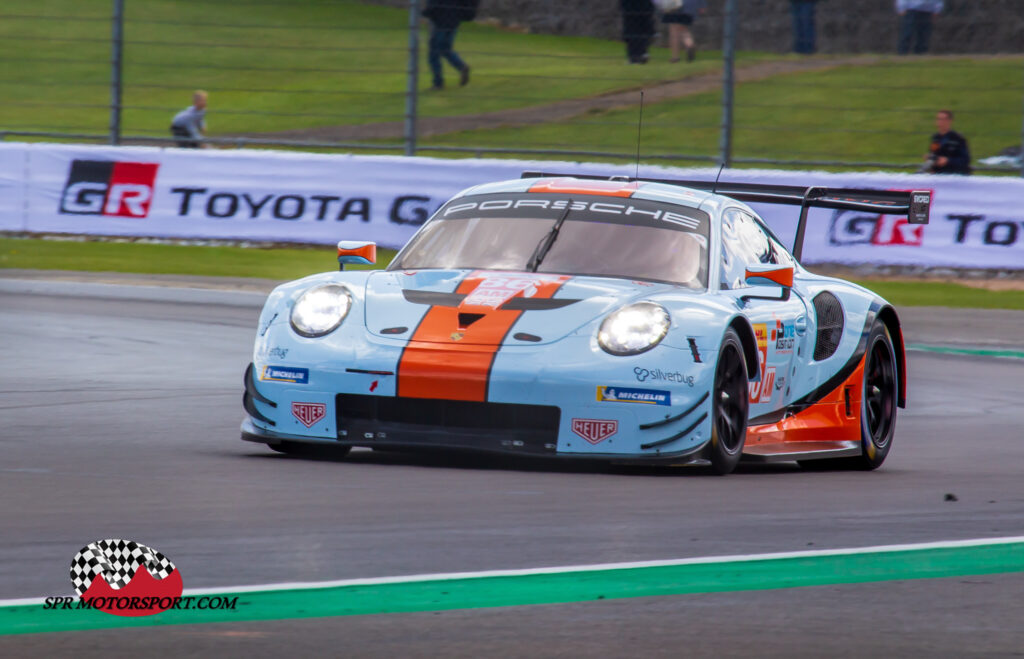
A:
[(478, 307)]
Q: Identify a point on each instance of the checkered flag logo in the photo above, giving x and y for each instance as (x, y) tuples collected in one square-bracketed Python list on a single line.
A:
[(116, 561)]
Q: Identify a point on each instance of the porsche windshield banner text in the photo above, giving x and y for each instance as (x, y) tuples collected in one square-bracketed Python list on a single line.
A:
[(546, 206)]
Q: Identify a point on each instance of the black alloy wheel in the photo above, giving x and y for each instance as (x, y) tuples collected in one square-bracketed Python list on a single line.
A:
[(879, 398), (730, 405), (880, 395)]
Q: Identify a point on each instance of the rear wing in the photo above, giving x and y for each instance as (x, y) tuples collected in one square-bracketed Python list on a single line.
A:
[(915, 205)]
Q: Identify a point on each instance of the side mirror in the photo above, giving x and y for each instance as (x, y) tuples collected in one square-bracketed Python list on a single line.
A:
[(357, 252), (769, 274)]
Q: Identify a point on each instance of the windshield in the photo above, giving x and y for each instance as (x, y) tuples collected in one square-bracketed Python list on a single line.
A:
[(598, 236)]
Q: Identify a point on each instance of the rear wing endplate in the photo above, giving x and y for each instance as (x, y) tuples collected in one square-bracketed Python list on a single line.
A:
[(914, 205)]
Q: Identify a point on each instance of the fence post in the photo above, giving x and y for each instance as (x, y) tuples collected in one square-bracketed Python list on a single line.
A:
[(116, 52), (728, 82), (412, 82)]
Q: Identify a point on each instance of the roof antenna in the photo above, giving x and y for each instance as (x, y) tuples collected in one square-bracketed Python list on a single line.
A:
[(639, 129), (714, 188)]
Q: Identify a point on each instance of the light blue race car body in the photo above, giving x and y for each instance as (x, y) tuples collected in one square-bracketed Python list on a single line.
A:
[(464, 343)]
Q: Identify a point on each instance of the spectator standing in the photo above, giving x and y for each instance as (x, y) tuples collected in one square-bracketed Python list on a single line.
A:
[(948, 152), (445, 17), (679, 21), (804, 39), (189, 125), (637, 28), (916, 24)]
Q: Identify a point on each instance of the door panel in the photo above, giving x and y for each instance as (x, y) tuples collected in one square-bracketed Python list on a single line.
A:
[(779, 325)]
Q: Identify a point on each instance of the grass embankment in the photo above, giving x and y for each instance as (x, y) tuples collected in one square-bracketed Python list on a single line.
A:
[(878, 113), (277, 263), (942, 294), (307, 64), (290, 263), (280, 66)]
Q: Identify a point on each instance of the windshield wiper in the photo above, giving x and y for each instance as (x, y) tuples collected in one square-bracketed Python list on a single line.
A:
[(547, 241)]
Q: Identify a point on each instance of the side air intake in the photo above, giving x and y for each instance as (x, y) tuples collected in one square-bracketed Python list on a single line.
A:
[(830, 325)]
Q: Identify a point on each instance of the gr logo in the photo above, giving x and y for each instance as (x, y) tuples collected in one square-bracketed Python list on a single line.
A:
[(103, 187)]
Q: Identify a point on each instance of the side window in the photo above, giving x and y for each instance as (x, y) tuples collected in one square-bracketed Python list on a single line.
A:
[(744, 242), (779, 253)]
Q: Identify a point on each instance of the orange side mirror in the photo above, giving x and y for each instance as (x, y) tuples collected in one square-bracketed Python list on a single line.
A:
[(356, 251), (769, 274)]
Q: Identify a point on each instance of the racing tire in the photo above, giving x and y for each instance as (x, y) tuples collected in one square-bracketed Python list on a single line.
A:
[(879, 399), (729, 405), (299, 449)]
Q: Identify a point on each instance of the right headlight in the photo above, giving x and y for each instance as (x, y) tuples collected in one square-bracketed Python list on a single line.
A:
[(320, 310), (634, 329)]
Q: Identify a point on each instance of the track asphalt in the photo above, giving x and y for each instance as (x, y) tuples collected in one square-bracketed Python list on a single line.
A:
[(120, 410)]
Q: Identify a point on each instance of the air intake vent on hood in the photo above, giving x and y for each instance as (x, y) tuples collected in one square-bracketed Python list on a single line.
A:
[(433, 298), (467, 319)]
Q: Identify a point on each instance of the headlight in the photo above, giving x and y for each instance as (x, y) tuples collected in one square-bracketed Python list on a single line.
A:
[(320, 310), (634, 329)]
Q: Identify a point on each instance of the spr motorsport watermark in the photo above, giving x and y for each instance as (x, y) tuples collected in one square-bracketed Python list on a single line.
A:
[(126, 578)]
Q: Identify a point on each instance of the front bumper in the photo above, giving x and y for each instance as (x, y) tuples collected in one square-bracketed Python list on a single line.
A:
[(481, 445), (546, 400), (538, 424)]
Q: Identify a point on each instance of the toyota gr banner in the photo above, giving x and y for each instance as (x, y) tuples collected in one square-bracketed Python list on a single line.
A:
[(976, 222)]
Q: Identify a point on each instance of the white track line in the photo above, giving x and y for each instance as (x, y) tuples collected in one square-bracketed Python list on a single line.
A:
[(568, 569)]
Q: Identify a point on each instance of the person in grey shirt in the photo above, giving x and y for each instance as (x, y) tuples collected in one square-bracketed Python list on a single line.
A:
[(188, 126), (916, 24)]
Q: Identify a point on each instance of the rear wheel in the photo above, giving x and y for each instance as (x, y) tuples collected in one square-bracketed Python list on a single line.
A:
[(729, 405), (879, 398)]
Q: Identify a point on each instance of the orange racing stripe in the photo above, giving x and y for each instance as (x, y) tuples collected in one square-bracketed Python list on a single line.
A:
[(449, 359)]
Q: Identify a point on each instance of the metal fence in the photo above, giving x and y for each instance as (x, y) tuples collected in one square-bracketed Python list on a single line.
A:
[(337, 75)]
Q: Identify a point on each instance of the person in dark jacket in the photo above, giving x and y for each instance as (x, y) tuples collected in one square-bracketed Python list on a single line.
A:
[(916, 17), (445, 17), (637, 28), (948, 152), (804, 41)]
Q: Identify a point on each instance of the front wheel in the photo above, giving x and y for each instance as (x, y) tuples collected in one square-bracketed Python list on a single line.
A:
[(729, 405)]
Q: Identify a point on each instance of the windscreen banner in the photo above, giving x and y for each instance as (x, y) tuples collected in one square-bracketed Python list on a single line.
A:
[(252, 195)]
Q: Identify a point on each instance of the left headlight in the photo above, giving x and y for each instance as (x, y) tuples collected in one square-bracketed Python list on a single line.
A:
[(320, 310), (634, 329)]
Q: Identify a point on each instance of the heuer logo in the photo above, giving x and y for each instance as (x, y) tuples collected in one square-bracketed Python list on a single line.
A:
[(595, 431), (103, 187), (309, 413)]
